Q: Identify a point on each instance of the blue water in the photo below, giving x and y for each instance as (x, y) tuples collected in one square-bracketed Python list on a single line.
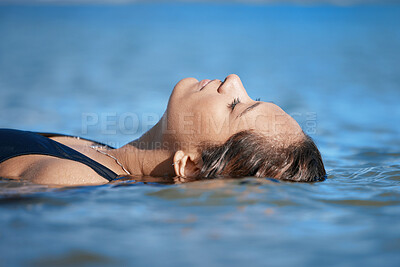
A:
[(105, 72)]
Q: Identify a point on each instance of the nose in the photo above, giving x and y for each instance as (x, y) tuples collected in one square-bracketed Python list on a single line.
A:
[(231, 85)]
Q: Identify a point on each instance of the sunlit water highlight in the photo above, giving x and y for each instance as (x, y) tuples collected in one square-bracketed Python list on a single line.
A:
[(334, 69)]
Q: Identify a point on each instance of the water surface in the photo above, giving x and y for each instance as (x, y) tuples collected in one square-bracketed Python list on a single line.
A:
[(105, 72)]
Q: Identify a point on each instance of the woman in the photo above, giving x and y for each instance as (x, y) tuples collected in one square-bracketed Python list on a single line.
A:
[(210, 129)]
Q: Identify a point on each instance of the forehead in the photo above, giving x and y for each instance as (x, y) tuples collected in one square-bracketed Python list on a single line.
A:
[(269, 119)]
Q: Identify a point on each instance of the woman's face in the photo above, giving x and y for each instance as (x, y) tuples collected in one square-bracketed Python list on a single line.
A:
[(212, 111)]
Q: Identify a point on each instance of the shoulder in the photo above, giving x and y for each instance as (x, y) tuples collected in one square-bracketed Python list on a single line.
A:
[(55, 171), (72, 141)]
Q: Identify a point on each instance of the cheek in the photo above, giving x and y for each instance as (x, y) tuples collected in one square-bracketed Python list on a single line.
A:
[(211, 120), (198, 118)]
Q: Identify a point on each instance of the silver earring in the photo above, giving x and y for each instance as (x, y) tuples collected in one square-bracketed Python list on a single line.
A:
[(176, 162)]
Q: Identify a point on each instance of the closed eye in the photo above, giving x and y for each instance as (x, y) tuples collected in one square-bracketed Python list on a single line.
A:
[(234, 103)]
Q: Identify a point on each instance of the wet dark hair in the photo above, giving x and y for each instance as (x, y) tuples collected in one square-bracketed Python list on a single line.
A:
[(247, 153)]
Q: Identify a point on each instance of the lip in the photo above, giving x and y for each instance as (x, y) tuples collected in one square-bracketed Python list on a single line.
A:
[(203, 83)]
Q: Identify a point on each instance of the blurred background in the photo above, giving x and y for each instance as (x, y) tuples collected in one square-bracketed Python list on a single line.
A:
[(105, 69)]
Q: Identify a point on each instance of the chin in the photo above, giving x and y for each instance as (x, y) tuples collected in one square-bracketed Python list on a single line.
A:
[(184, 87)]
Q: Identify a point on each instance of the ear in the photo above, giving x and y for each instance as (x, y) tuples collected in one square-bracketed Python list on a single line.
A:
[(185, 164)]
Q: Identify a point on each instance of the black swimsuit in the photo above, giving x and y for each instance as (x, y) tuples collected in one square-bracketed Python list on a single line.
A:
[(15, 143)]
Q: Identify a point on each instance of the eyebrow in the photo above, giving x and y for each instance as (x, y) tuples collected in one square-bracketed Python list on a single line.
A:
[(248, 109)]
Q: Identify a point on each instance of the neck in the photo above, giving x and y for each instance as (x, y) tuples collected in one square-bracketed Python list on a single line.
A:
[(145, 162), (152, 139), (146, 156)]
